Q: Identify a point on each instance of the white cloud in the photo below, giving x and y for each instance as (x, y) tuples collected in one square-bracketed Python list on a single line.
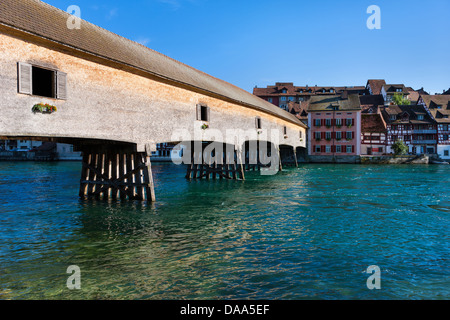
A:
[(112, 13)]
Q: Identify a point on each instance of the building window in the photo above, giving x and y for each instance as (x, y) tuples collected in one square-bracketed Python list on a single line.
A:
[(258, 123), (420, 117), (338, 135), (318, 149), (301, 135), (328, 149), (349, 135), (317, 122), (328, 122), (291, 98), (445, 127), (328, 136), (284, 91), (349, 149), (393, 117), (285, 130), (318, 135), (284, 107), (445, 137), (270, 100), (283, 98), (339, 122), (43, 82), (446, 153), (348, 122), (338, 149), (203, 113)]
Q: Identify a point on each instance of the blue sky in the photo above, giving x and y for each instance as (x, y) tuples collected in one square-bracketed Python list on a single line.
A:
[(260, 42)]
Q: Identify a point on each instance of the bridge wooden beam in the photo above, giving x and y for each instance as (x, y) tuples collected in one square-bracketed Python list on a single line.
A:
[(221, 165), (113, 174)]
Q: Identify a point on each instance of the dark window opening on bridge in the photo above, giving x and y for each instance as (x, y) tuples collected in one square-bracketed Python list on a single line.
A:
[(258, 123), (43, 82), (285, 130), (203, 113)]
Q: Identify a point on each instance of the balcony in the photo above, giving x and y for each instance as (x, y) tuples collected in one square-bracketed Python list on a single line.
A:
[(424, 142), (424, 131)]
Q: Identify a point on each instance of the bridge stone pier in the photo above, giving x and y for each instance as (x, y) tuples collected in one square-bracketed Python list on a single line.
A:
[(115, 100)]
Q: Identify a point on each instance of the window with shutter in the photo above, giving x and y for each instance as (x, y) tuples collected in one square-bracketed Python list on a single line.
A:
[(43, 82), (258, 123), (203, 113)]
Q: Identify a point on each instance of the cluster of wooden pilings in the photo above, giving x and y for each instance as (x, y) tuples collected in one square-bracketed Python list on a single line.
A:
[(116, 173), (214, 161), (120, 172)]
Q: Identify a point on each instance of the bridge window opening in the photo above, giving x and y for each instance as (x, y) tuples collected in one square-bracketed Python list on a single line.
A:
[(258, 123), (33, 80), (285, 130), (43, 82), (203, 113)]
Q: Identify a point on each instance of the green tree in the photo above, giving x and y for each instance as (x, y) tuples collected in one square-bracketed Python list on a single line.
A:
[(399, 100), (399, 147)]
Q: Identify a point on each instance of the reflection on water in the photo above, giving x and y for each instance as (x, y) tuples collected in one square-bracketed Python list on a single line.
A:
[(308, 233)]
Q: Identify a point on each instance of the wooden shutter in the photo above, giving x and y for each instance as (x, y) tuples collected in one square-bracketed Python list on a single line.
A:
[(25, 78), (353, 135), (353, 149), (199, 112), (353, 122), (61, 85), (208, 114)]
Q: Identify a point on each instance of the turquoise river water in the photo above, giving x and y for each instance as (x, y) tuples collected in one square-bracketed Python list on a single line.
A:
[(307, 233)]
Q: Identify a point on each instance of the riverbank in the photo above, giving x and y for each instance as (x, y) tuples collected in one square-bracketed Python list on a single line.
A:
[(384, 159)]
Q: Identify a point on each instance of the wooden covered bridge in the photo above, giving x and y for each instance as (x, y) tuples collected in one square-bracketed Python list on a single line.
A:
[(115, 99)]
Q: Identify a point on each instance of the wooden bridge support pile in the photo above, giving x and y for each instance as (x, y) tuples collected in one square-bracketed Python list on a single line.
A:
[(214, 161), (253, 156), (288, 156), (112, 172)]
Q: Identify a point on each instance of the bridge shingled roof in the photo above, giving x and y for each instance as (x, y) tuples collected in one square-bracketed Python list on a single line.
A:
[(46, 21)]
